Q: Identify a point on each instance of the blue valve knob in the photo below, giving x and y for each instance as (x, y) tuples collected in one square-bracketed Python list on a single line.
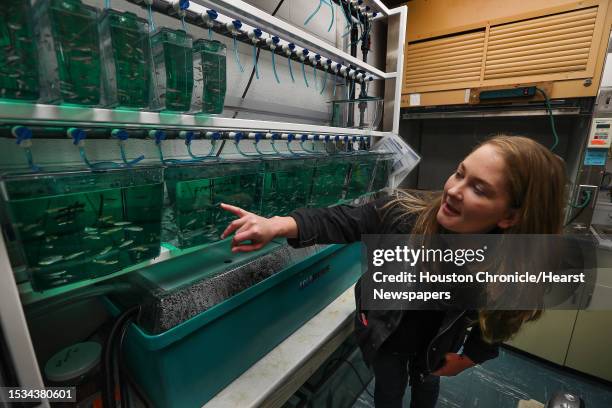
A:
[(120, 134), (21, 133), (184, 4), (303, 137), (77, 135), (212, 14), (237, 24), (259, 136), (290, 137), (158, 135), (275, 40)]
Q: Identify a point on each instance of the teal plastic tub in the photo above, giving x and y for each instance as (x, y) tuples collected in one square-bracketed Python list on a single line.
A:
[(189, 364)]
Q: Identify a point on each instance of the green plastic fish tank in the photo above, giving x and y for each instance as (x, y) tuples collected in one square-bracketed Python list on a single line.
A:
[(72, 226), (195, 192), (69, 52), (384, 168), (126, 56), (172, 55), (209, 69), (362, 167), (329, 180), (286, 186), (18, 56)]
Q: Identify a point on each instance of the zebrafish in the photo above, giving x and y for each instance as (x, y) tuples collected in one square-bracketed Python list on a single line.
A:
[(51, 260), (106, 250), (75, 255), (134, 228), (126, 243)]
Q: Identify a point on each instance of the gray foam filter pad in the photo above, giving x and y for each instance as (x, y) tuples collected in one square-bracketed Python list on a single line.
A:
[(163, 310)]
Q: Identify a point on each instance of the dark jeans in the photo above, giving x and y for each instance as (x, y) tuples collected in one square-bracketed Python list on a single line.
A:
[(391, 379)]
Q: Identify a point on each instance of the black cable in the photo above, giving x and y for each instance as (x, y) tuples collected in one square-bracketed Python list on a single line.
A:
[(580, 208), (363, 384), (107, 362), (125, 400), (248, 85)]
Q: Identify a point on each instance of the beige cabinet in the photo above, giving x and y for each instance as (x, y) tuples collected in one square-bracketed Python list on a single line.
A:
[(549, 337), (590, 350)]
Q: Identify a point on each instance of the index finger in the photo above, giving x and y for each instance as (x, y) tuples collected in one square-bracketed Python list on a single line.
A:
[(234, 210)]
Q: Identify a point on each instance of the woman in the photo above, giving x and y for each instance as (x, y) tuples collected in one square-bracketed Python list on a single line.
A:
[(506, 185)]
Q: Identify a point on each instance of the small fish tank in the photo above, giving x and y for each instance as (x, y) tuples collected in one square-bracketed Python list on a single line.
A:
[(195, 192), (126, 56), (361, 113), (329, 180), (210, 78), (383, 171), (172, 56), (69, 52), (286, 186), (362, 168), (18, 56), (71, 226)]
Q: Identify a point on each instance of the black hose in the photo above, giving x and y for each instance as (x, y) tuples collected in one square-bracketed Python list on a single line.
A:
[(119, 326)]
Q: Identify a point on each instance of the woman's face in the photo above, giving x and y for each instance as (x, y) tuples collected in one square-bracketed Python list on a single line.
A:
[(476, 197)]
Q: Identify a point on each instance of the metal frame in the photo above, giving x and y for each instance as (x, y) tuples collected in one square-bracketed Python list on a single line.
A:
[(15, 327), (12, 316), (37, 114)]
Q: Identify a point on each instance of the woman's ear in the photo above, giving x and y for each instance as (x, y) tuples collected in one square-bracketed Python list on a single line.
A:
[(510, 219)]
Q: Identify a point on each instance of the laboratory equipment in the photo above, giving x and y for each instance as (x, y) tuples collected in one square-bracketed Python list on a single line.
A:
[(195, 192), (126, 56), (287, 184), (172, 54), (76, 225), (209, 60), (272, 293), (18, 56), (361, 175), (360, 113), (69, 52), (329, 181)]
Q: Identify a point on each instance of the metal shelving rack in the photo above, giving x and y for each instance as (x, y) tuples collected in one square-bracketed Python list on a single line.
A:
[(12, 318)]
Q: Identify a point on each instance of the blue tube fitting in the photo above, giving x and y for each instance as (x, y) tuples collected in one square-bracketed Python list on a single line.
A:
[(158, 135), (77, 135), (22, 133)]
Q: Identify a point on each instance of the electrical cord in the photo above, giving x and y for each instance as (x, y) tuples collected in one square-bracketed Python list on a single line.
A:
[(363, 384), (580, 207), (552, 120), (248, 85)]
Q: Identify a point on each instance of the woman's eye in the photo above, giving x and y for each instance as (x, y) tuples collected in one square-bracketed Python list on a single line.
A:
[(458, 174), (479, 190)]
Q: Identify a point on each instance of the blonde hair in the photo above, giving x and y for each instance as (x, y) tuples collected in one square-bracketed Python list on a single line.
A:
[(536, 183)]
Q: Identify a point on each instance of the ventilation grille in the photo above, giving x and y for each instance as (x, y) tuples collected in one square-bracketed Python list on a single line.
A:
[(444, 61), (546, 45)]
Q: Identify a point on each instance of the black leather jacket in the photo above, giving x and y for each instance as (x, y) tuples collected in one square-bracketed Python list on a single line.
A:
[(346, 224)]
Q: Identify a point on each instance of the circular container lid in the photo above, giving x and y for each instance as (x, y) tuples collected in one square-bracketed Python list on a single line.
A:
[(73, 362)]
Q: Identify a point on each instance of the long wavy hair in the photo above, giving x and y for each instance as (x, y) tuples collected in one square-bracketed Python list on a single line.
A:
[(536, 182)]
